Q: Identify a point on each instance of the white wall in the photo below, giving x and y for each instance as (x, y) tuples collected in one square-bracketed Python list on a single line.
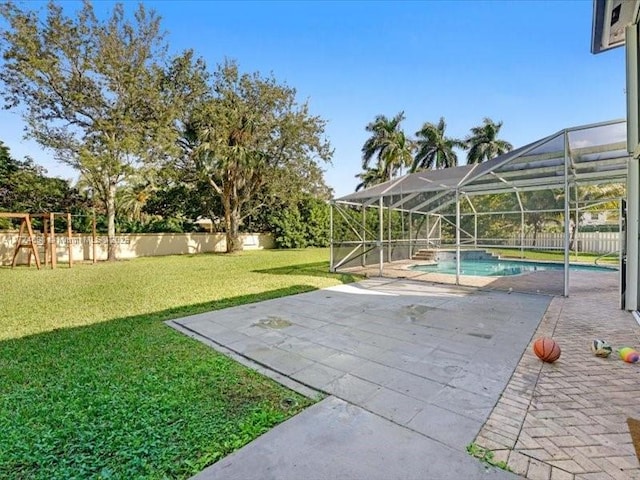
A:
[(134, 245)]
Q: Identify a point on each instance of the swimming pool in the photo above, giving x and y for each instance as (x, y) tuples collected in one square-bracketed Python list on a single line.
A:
[(501, 268)]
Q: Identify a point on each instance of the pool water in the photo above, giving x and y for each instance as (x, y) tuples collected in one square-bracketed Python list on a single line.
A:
[(501, 268)]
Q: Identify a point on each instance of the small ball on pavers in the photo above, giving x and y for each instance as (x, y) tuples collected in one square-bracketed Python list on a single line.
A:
[(601, 348), (629, 355), (546, 349)]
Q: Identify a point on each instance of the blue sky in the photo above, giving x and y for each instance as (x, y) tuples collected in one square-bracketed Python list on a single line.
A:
[(526, 63)]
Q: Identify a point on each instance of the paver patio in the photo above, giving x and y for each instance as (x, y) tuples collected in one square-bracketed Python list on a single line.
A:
[(567, 420)]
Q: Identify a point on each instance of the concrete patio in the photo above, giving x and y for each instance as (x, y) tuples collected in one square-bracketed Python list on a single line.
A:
[(428, 362)]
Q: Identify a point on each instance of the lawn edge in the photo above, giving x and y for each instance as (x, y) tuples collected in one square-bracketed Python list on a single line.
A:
[(278, 377)]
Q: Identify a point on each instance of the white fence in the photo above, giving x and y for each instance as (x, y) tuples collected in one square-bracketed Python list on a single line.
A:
[(594, 242)]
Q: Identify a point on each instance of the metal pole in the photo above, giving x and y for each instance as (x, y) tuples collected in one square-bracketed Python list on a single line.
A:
[(521, 224), (457, 237), (410, 234), (567, 233), (331, 269), (402, 235), (380, 235), (475, 230), (577, 225), (475, 222), (428, 229), (364, 235), (522, 234), (389, 236)]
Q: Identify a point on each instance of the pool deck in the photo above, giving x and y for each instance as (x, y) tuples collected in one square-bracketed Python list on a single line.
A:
[(544, 282)]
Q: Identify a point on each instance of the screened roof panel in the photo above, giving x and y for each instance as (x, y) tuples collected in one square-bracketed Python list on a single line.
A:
[(530, 152), (608, 134), (429, 201), (597, 154), (430, 180)]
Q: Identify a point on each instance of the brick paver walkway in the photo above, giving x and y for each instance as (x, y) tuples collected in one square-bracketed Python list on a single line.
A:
[(567, 420)]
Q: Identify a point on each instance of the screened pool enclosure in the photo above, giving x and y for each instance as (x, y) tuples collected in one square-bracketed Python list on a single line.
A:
[(546, 196)]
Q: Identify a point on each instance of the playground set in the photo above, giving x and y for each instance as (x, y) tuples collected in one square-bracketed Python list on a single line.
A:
[(27, 238)]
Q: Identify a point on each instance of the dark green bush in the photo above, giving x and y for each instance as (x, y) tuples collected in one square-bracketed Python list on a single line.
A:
[(288, 228), (301, 225)]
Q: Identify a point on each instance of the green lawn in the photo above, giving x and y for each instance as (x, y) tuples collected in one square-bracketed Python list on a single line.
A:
[(94, 385)]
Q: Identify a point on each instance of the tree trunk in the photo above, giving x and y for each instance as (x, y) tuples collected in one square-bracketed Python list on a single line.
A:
[(232, 225), (572, 237), (111, 223)]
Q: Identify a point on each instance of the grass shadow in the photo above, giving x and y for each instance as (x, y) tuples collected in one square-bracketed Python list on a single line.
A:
[(131, 398), (314, 269)]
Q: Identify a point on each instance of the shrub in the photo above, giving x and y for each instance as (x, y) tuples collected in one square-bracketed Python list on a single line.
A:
[(301, 225), (288, 229)]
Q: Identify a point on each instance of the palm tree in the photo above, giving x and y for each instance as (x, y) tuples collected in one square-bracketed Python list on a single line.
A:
[(369, 178), (132, 197), (484, 144), (389, 145), (435, 149)]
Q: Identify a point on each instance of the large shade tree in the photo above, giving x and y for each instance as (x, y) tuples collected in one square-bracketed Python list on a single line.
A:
[(434, 148), (101, 94), (390, 147), (483, 142), (255, 145)]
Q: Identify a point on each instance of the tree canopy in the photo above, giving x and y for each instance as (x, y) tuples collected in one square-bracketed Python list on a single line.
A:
[(255, 145), (25, 187), (483, 142), (434, 148), (101, 94), (389, 145), (370, 177)]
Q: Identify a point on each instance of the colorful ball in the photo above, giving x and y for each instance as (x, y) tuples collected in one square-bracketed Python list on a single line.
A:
[(546, 349), (601, 348), (629, 355)]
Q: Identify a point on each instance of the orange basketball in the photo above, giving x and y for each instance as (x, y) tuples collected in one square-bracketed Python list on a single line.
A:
[(546, 349)]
